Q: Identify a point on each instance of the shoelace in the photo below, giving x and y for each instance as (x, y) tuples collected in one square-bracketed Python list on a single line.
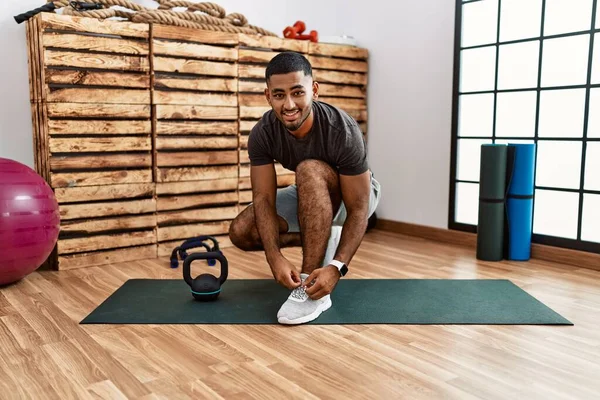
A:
[(299, 293)]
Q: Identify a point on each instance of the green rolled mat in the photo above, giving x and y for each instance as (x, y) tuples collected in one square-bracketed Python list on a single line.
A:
[(492, 195)]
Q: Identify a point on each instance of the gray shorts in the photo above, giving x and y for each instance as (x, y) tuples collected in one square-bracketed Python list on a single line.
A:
[(287, 205)]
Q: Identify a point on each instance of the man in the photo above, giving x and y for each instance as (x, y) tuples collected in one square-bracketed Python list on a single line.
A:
[(327, 210)]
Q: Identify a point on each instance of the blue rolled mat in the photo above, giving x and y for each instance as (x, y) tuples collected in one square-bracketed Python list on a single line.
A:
[(519, 202)]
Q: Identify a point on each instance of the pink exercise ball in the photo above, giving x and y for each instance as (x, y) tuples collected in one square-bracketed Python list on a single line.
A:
[(29, 221)]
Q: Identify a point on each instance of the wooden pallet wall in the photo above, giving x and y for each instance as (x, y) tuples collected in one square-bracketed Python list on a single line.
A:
[(142, 129), (196, 124), (91, 92)]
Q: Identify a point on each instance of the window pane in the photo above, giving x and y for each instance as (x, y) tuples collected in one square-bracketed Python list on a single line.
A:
[(593, 129), (469, 157), (558, 164), (592, 167), (565, 61), (596, 59), (476, 114), (479, 22), (515, 114), (556, 213), (467, 203), (563, 16), (590, 224), (562, 113), (518, 65), (478, 69), (520, 19)]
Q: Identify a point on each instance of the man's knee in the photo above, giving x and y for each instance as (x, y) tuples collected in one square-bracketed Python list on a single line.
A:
[(315, 169), (240, 232)]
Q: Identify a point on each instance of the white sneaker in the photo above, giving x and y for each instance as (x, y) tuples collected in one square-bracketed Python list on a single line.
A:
[(300, 309), (332, 244)]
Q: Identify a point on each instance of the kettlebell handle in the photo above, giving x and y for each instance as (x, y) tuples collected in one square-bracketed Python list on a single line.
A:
[(187, 276)]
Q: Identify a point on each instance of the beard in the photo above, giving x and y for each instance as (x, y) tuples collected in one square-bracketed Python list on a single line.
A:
[(297, 123)]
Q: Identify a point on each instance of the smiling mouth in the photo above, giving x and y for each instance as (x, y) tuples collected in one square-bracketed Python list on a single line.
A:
[(291, 115)]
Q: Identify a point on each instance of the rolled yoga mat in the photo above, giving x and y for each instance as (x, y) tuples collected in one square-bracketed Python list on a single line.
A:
[(492, 191), (519, 205), (355, 301)]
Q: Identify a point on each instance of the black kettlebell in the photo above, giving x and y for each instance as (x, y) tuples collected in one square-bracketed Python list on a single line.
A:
[(205, 287)]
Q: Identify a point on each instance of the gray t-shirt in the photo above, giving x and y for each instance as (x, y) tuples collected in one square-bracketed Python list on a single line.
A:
[(335, 138)]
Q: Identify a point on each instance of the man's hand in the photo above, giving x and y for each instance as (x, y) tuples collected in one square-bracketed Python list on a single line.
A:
[(322, 281), (285, 273)]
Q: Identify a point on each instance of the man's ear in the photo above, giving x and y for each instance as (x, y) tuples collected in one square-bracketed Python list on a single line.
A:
[(268, 95), (315, 88)]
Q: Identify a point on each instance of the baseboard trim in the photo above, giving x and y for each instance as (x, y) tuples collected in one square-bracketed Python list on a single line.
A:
[(541, 252)]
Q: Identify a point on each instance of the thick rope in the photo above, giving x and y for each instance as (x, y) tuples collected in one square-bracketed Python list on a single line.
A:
[(203, 15)]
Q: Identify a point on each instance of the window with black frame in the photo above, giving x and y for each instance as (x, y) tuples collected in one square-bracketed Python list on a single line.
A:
[(528, 71)]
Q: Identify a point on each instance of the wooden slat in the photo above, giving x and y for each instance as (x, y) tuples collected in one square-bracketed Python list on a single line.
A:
[(196, 173), (358, 115), (180, 159), (196, 83), (93, 145), (251, 86), (97, 110), (100, 178), (253, 112), (345, 103), (104, 242), (326, 89), (97, 78), (186, 66), (252, 100), (196, 128), (108, 224), (246, 126), (348, 78), (244, 158), (195, 187), (198, 215), (193, 35), (90, 210), (191, 230), (95, 43), (165, 111), (244, 141), (95, 60), (338, 64), (168, 143), (106, 257), (110, 96), (337, 50), (194, 50), (102, 161), (251, 71), (256, 56), (275, 43), (196, 200), (93, 25), (108, 192), (98, 127), (196, 99)]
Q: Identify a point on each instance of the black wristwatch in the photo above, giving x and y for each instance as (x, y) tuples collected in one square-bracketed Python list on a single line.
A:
[(342, 267)]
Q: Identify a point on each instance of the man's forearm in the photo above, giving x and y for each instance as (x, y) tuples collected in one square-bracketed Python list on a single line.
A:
[(268, 227), (353, 232)]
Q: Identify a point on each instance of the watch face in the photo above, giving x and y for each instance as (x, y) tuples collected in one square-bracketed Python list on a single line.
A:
[(344, 270)]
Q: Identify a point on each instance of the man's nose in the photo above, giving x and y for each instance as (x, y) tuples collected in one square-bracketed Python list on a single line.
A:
[(289, 104)]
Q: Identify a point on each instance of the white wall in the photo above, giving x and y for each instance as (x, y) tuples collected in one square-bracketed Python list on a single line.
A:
[(410, 89)]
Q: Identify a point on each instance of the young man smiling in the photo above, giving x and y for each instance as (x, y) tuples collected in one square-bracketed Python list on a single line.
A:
[(327, 210)]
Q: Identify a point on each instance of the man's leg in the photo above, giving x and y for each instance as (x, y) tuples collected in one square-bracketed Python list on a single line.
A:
[(319, 198), (243, 232)]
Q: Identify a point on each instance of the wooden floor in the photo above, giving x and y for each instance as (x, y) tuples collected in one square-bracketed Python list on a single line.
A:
[(45, 353)]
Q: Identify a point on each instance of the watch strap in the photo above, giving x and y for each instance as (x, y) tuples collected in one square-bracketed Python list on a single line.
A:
[(339, 265)]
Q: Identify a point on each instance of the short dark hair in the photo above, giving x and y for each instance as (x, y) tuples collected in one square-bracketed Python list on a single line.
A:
[(286, 62)]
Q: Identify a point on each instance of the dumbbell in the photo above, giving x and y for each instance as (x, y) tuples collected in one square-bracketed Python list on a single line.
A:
[(291, 32), (313, 36)]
